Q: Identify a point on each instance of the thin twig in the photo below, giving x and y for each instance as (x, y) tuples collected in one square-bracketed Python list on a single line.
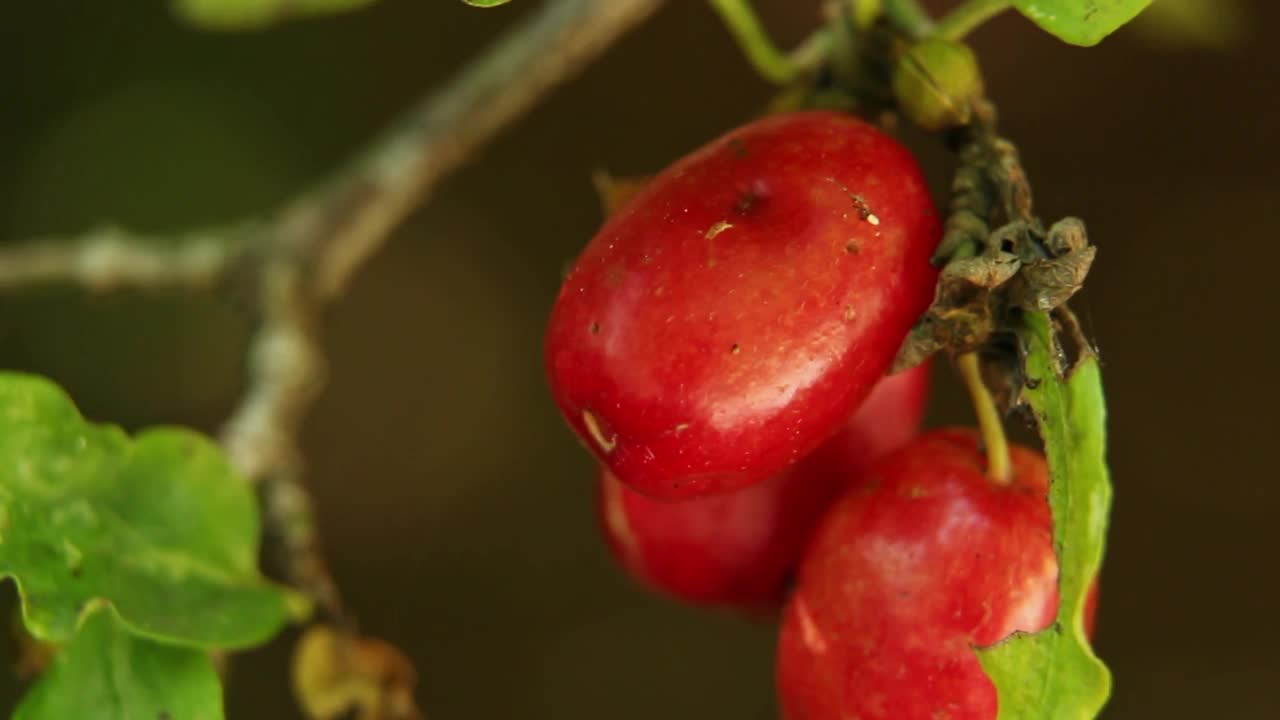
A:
[(305, 255), (286, 370), (324, 237), (110, 258), (398, 170), (964, 19)]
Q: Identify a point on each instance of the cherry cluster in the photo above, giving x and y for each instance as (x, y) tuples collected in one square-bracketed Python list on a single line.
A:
[(721, 346)]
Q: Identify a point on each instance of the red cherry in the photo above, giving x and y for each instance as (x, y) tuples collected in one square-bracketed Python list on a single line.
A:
[(728, 318), (740, 548), (909, 571)]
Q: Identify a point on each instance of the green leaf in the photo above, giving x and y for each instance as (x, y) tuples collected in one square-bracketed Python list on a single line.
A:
[(107, 673), (1081, 22), (1054, 674), (486, 3), (159, 526), (256, 14)]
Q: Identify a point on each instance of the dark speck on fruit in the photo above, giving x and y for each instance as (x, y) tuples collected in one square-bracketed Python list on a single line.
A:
[(747, 201)]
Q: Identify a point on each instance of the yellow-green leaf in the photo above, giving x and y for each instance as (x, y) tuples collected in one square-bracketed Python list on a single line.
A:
[(1081, 22), (1054, 674)]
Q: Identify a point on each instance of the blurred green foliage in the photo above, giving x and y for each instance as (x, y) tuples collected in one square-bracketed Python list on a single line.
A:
[(256, 14), (1190, 24), (145, 680)]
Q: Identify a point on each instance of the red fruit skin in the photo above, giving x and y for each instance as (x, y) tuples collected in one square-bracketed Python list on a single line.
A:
[(739, 549), (1091, 608), (727, 319), (909, 571)]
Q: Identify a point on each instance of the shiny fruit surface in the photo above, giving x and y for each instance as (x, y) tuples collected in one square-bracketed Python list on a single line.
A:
[(728, 318), (906, 574), (739, 549)]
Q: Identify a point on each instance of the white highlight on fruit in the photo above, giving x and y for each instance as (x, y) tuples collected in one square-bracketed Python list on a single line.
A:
[(1033, 605), (615, 519), (810, 635)]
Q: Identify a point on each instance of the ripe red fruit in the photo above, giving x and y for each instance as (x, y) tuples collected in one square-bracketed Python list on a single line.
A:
[(740, 548), (906, 574), (729, 317)]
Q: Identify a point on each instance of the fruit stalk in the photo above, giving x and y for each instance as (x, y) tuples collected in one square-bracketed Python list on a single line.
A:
[(989, 423), (771, 63), (741, 20), (964, 19), (909, 17)]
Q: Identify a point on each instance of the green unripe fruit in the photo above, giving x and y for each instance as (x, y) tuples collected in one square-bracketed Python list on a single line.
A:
[(936, 83)]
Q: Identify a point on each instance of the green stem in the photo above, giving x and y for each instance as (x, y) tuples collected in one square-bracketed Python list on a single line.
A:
[(909, 17), (989, 423), (813, 51), (961, 21), (769, 61)]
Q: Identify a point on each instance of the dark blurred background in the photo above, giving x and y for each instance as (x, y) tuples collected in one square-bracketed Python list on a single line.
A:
[(456, 507)]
